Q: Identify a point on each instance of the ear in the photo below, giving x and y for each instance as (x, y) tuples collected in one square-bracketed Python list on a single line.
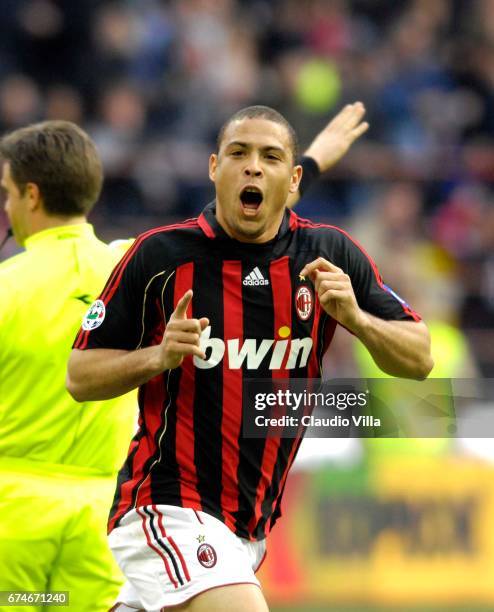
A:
[(33, 195), (295, 179), (213, 164)]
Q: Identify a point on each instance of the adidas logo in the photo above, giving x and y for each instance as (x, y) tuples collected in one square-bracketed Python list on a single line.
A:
[(255, 278)]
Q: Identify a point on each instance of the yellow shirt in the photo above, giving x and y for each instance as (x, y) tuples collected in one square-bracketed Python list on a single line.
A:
[(44, 293)]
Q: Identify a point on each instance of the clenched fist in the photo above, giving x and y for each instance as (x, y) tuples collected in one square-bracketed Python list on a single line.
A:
[(335, 292)]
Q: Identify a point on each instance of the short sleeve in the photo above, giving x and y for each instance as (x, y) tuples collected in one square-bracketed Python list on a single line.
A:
[(114, 320), (372, 294)]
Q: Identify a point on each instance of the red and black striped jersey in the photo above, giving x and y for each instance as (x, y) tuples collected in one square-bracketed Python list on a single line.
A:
[(264, 324)]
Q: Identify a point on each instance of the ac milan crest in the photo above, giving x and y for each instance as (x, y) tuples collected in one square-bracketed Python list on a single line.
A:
[(207, 555), (304, 302)]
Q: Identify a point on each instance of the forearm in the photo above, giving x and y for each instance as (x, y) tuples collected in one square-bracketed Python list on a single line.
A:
[(329, 146), (399, 348), (98, 374)]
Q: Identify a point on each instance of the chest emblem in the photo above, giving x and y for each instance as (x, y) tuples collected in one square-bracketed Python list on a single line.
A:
[(304, 302)]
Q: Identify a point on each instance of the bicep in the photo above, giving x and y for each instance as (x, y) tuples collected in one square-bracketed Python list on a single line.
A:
[(372, 294)]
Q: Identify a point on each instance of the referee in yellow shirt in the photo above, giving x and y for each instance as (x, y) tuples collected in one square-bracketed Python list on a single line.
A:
[(58, 458)]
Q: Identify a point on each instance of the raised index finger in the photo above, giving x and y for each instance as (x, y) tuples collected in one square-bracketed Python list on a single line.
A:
[(319, 264), (180, 311)]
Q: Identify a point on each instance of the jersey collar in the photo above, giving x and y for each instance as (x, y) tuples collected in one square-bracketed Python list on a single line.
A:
[(209, 224), (61, 232)]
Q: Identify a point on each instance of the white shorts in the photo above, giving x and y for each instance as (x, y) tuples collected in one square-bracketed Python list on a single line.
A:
[(170, 554)]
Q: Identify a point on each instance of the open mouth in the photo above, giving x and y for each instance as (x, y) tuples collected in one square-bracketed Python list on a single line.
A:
[(251, 198)]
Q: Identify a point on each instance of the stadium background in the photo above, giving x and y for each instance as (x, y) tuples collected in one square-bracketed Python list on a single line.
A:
[(383, 525)]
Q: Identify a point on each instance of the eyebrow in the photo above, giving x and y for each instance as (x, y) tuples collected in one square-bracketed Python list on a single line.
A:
[(246, 145)]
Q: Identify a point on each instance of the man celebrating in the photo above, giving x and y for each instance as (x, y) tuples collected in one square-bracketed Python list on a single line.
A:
[(191, 312), (58, 458)]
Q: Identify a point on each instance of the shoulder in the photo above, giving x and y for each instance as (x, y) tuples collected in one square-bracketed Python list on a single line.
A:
[(15, 275), (340, 247), (324, 230), (156, 250), (13, 266), (331, 237), (168, 240)]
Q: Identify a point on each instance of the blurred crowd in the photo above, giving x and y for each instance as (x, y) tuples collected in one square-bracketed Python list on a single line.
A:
[(153, 80)]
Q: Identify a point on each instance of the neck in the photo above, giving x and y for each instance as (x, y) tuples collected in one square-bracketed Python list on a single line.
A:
[(44, 222), (242, 234)]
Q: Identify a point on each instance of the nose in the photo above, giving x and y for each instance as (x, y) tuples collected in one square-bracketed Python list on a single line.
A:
[(253, 167)]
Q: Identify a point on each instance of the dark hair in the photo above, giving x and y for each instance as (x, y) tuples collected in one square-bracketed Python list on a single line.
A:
[(61, 160), (261, 112)]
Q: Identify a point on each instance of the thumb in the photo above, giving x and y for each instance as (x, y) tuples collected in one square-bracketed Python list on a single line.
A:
[(180, 311), (204, 322)]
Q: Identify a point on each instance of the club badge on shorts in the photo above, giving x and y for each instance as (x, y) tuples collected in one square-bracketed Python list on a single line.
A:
[(95, 316), (304, 302), (206, 555)]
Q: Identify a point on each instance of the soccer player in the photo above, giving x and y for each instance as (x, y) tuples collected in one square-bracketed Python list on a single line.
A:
[(248, 290), (58, 458)]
